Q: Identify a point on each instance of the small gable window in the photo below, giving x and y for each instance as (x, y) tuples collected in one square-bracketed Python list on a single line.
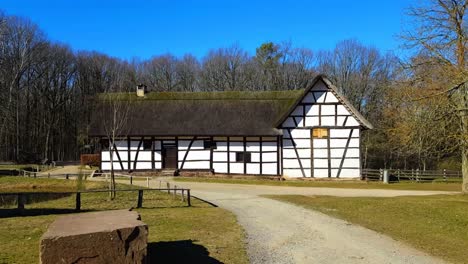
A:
[(320, 133), (104, 144)]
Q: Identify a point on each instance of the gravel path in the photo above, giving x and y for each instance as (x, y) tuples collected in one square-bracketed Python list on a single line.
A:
[(279, 232)]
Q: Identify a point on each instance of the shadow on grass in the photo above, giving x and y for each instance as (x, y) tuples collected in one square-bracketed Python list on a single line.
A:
[(5, 213), (182, 251)]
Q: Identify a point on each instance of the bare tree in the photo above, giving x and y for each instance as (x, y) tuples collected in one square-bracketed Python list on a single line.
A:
[(441, 36)]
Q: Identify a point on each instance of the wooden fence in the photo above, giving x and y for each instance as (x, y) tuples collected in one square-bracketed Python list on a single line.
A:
[(21, 196), (396, 175)]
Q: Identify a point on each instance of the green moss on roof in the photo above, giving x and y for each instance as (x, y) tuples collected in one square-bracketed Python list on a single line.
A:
[(225, 95)]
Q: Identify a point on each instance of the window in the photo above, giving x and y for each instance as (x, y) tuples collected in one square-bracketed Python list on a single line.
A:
[(320, 133), (104, 144), (208, 144), (243, 157), (147, 144)]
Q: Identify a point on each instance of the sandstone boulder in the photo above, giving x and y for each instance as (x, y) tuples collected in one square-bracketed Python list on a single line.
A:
[(101, 237)]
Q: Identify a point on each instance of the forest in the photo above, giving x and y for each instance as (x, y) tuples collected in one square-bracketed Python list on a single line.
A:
[(418, 104)]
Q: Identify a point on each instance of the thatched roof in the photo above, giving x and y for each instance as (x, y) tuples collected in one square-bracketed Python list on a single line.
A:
[(202, 113), (230, 113)]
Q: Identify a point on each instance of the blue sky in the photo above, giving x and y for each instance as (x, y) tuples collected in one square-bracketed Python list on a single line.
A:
[(141, 29)]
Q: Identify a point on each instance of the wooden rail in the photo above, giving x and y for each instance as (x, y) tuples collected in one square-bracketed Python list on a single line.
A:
[(415, 175), (185, 195)]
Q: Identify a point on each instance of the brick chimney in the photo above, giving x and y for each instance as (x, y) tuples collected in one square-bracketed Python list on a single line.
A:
[(141, 90)]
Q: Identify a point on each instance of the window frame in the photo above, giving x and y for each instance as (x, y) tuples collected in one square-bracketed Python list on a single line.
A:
[(145, 142), (320, 131), (244, 156)]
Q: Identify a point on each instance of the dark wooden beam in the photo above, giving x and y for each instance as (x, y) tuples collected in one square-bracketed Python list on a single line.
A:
[(186, 153), (138, 152), (297, 154), (228, 157)]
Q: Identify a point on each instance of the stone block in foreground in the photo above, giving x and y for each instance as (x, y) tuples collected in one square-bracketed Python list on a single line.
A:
[(102, 237)]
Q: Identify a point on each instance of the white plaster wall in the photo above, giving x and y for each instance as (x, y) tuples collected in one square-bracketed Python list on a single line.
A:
[(220, 167)]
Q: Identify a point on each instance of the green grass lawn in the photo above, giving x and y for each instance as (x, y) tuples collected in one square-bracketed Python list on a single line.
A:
[(435, 224), (436, 186), (177, 233)]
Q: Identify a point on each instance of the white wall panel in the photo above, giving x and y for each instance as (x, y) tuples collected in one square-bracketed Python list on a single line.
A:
[(220, 167), (328, 121), (157, 165), (342, 110), (337, 153), (269, 169), (343, 133), (253, 168), (320, 153), (352, 153), (237, 167), (312, 110), (335, 163), (236, 146), (305, 163), (340, 121), (320, 143), (334, 173), (134, 144), (157, 155), (105, 166), (142, 155), (338, 143), (252, 146), (291, 163), (354, 143), (352, 122), (320, 96), (105, 155), (143, 166), (320, 173), (195, 165), (302, 143), (294, 173), (351, 163), (220, 156), (312, 121), (221, 146), (289, 153), (269, 156), (195, 155), (269, 146), (300, 133), (255, 157), (331, 98), (321, 163), (328, 109)]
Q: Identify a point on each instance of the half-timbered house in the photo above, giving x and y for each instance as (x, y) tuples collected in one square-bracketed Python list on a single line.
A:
[(302, 133)]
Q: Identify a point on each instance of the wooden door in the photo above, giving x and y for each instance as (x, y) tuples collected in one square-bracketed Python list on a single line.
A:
[(170, 157)]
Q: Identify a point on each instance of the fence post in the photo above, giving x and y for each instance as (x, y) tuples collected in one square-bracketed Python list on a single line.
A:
[(131, 180), (417, 174), (35, 175), (188, 198), (48, 175), (147, 182), (78, 201), (183, 195), (168, 188), (175, 187), (385, 177), (140, 199), (398, 175), (445, 175), (381, 174), (67, 176), (20, 201)]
